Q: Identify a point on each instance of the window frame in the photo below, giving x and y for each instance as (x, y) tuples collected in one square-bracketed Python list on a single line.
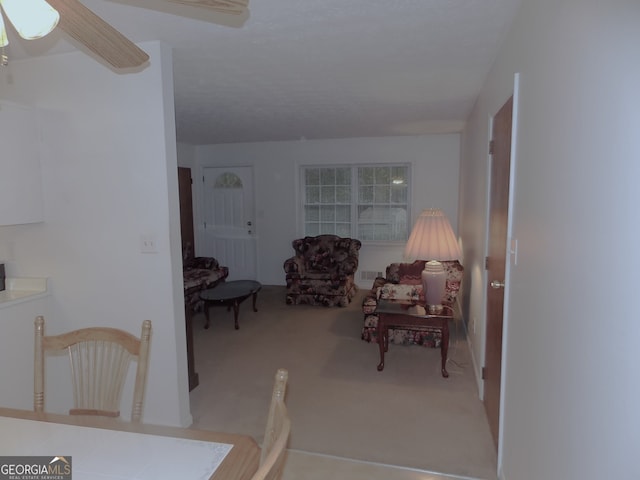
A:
[(355, 199)]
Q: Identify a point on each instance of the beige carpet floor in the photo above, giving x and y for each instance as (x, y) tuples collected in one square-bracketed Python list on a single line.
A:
[(406, 415)]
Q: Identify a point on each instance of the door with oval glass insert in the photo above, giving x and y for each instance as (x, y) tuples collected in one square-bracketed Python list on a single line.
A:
[(229, 224)]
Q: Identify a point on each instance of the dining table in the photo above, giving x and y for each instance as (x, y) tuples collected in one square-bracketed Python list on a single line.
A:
[(107, 448)]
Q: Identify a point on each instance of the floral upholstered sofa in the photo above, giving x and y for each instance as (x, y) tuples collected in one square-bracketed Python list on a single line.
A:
[(322, 270), (199, 274), (403, 282)]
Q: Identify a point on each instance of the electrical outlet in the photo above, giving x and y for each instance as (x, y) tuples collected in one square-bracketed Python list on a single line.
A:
[(148, 244)]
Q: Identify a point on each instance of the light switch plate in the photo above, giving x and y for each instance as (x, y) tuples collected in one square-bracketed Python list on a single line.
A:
[(148, 243), (513, 251)]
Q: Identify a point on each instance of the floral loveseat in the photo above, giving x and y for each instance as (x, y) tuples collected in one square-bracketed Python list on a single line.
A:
[(322, 270), (403, 282), (199, 274)]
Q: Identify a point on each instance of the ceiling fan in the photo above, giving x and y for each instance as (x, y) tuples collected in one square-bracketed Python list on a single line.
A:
[(81, 24)]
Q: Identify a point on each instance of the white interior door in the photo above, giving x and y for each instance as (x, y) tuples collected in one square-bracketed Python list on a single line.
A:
[(229, 228)]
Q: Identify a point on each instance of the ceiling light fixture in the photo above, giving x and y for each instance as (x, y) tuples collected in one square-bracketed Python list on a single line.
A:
[(31, 18), (4, 41)]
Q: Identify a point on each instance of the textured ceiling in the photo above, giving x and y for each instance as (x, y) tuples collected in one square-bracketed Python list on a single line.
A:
[(294, 69)]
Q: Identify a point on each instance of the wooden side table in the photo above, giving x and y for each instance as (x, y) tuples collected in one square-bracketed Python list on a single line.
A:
[(394, 314)]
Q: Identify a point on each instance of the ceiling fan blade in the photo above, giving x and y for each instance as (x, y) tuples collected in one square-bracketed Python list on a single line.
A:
[(235, 7), (97, 35)]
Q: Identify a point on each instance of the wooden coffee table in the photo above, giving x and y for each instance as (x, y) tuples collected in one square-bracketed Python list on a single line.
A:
[(230, 294), (394, 314)]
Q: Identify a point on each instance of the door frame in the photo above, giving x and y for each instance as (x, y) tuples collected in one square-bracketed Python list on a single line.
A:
[(511, 259), (186, 207)]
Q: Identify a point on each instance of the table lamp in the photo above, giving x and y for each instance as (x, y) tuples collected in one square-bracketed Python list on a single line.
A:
[(432, 240)]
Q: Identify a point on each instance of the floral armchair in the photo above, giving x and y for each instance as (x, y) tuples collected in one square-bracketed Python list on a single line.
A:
[(199, 274), (403, 282), (322, 271)]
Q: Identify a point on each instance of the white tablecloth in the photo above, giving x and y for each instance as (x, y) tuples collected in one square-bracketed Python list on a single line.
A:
[(108, 454)]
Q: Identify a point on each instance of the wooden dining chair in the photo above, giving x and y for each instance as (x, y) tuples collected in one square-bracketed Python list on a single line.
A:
[(274, 447), (99, 359)]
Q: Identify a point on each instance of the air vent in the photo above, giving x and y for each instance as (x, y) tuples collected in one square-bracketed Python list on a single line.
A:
[(369, 275)]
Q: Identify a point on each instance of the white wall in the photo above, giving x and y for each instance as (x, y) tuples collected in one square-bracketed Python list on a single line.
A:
[(572, 383), (109, 177), (186, 155), (434, 163)]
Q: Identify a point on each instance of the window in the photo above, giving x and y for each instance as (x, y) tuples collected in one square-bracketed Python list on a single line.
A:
[(383, 203), (370, 203), (327, 201), (228, 180)]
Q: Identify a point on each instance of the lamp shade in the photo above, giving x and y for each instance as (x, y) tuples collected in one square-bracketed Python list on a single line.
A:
[(432, 238), (31, 18)]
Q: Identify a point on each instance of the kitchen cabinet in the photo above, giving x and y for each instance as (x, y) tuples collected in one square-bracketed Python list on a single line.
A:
[(20, 171)]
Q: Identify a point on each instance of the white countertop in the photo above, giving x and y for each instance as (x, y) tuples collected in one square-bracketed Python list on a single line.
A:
[(22, 289)]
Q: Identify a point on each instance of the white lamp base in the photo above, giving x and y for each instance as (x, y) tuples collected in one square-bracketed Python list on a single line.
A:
[(434, 282)]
